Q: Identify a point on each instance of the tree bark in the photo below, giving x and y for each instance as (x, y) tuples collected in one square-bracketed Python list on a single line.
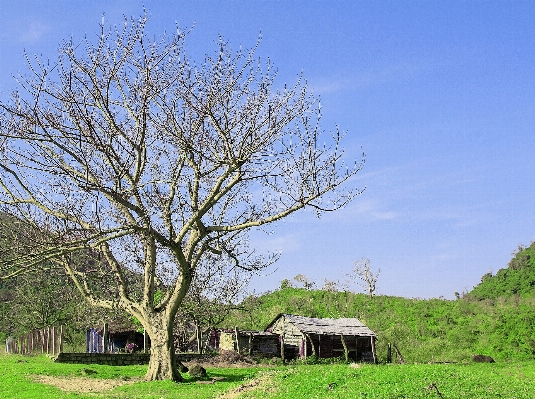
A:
[(163, 364)]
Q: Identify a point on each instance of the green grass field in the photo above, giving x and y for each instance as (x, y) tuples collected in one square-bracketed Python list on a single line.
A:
[(38, 377), (451, 381)]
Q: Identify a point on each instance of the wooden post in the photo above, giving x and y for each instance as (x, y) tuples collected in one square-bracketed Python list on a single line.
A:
[(90, 340), (237, 339), (319, 345), (311, 344), (145, 341), (389, 353), (282, 348), (61, 331), (199, 340), (373, 350), (250, 343), (48, 340), (53, 340), (401, 360), (105, 334), (346, 352), (356, 348)]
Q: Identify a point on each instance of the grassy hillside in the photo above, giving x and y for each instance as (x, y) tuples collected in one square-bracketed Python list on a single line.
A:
[(517, 279), (424, 330)]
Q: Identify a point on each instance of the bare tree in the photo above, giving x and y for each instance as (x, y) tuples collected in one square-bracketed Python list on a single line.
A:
[(126, 149), (307, 283), (364, 276), (334, 286)]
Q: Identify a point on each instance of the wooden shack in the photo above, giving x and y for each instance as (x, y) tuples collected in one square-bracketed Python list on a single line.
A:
[(305, 336), (245, 342)]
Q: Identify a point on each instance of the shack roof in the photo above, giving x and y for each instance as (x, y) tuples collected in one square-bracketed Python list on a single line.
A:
[(254, 333), (311, 325)]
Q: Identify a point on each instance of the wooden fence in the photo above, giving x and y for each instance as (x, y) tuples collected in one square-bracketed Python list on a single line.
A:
[(47, 340)]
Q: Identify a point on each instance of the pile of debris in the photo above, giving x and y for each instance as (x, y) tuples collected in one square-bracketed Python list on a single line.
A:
[(229, 359)]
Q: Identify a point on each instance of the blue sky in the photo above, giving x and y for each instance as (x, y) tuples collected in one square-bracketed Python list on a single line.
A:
[(439, 94)]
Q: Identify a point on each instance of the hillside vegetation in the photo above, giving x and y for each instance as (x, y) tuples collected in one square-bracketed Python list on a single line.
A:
[(518, 279), (497, 318)]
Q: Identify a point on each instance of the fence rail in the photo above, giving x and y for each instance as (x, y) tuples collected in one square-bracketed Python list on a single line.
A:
[(47, 340)]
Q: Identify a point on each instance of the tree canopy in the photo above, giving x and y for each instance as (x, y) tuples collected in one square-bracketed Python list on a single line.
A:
[(129, 156)]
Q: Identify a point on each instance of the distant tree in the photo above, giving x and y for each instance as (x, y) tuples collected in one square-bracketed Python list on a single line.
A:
[(364, 276), (334, 286), (285, 284), (129, 155), (304, 280), (330, 286)]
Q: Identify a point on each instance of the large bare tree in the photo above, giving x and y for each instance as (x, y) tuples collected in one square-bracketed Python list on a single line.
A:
[(126, 151)]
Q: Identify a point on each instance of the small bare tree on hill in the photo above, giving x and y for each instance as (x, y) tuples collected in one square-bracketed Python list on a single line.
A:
[(127, 152), (364, 276), (307, 283)]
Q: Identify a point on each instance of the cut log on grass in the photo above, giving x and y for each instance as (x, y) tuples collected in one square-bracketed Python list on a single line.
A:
[(482, 359)]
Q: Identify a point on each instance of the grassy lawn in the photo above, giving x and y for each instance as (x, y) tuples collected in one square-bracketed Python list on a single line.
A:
[(450, 381), (38, 377), (32, 377)]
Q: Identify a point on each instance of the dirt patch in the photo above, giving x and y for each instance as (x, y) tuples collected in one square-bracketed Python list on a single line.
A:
[(80, 384), (262, 382)]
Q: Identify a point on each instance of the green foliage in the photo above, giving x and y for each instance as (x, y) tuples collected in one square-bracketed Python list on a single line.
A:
[(497, 318), (517, 279), (285, 284), (431, 330)]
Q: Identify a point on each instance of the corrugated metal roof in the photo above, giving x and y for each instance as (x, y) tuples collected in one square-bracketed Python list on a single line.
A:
[(343, 326)]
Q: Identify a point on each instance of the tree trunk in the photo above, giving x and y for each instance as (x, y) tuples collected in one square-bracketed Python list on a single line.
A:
[(163, 364)]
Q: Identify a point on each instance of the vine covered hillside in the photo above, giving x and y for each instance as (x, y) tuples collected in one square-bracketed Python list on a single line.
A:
[(423, 330), (517, 279)]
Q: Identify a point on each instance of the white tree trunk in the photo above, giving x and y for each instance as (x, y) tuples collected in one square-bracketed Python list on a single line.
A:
[(163, 364)]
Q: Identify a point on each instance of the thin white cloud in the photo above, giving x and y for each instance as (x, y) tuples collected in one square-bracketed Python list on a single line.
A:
[(373, 210), (33, 32), (366, 210), (397, 72), (283, 244)]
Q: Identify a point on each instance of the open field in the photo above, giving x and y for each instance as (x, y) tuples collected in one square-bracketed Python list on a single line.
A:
[(451, 381), (39, 377)]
